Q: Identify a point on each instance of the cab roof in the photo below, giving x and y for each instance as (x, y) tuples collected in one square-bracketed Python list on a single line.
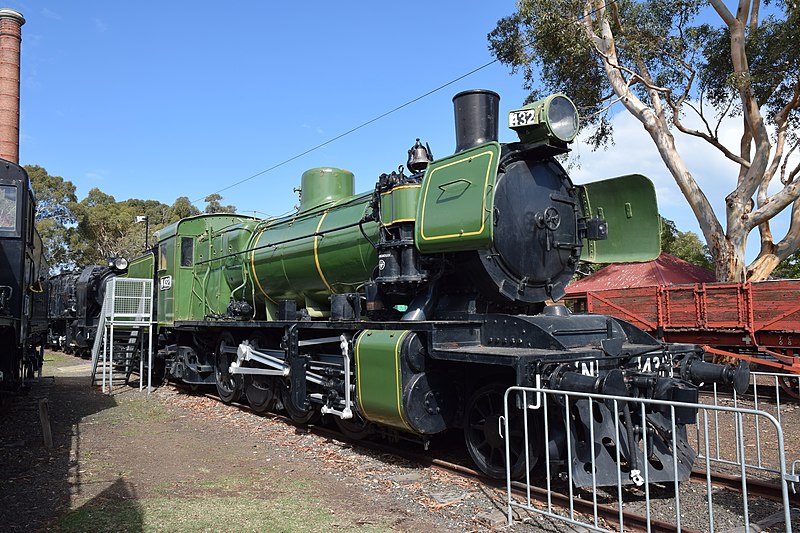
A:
[(198, 224)]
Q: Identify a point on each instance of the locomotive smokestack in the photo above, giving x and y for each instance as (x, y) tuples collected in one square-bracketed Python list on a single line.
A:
[(476, 117), (10, 42)]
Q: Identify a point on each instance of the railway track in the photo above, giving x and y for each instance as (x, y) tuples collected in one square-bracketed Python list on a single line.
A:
[(633, 521), (755, 487), (606, 513)]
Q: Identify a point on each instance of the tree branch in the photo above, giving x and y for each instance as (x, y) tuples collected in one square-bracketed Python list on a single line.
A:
[(603, 110), (722, 11), (658, 130), (722, 117), (754, 15), (782, 116), (702, 116), (767, 259), (792, 148), (743, 11), (774, 205), (712, 140)]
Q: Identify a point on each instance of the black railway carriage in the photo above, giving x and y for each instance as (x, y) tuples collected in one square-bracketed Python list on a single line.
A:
[(23, 281), (410, 309)]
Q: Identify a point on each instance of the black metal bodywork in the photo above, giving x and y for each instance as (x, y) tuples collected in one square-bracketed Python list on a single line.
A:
[(444, 361), (89, 292), (23, 281), (62, 308)]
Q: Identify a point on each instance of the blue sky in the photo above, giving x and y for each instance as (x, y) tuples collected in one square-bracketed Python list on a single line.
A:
[(160, 100), (157, 100)]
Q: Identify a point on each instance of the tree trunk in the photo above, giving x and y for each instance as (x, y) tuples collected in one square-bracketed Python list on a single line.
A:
[(762, 267), (729, 262)]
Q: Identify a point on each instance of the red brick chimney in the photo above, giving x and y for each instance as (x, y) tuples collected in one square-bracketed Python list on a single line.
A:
[(10, 40)]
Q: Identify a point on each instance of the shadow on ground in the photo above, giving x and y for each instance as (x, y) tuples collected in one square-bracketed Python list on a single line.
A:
[(115, 509), (37, 483)]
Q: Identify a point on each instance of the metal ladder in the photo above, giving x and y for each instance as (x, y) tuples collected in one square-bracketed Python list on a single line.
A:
[(123, 346)]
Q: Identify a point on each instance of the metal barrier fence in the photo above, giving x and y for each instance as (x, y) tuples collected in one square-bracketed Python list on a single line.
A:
[(723, 434), (767, 393)]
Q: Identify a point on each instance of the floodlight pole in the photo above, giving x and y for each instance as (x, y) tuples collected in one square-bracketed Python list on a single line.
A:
[(146, 220)]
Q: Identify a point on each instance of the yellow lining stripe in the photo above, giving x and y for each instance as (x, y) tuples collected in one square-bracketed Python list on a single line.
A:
[(490, 153), (253, 265), (316, 254), (398, 380), (358, 376), (399, 220), (390, 191)]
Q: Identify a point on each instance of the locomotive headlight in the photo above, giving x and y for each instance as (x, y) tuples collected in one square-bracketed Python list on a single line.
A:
[(553, 119), (120, 263)]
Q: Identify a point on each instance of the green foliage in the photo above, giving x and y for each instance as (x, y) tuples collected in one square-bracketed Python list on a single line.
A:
[(684, 245), (789, 267), (773, 58), (77, 233), (106, 227), (55, 218), (213, 205), (54, 195), (182, 208)]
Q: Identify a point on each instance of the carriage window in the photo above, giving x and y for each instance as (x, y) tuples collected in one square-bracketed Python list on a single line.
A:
[(187, 251), (162, 256), (8, 207)]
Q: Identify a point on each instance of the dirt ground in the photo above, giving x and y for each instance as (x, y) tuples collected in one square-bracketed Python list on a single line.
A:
[(177, 461), (182, 462)]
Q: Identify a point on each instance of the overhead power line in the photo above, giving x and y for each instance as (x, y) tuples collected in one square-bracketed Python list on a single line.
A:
[(348, 132), (387, 113)]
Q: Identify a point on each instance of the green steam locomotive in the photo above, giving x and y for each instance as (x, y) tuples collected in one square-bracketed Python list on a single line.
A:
[(409, 310)]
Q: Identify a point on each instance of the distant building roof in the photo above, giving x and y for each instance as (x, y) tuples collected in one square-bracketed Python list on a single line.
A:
[(666, 270)]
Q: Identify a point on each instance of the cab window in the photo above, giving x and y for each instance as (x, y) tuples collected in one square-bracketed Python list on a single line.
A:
[(187, 251), (8, 208), (162, 256)]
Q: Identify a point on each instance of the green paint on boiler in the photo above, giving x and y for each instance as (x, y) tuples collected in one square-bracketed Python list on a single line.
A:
[(378, 378)]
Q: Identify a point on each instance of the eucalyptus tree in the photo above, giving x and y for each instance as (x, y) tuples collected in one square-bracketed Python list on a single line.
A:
[(55, 219), (663, 60)]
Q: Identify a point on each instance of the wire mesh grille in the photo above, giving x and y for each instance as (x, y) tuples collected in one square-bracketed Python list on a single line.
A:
[(129, 299)]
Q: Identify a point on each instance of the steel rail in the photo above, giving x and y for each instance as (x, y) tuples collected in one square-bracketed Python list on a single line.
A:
[(755, 487)]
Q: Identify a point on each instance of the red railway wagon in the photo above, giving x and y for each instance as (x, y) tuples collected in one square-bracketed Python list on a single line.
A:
[(758, 322)]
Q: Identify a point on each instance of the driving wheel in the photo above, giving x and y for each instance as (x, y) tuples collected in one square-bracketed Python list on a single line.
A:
[(485, 442), (229, 386)]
